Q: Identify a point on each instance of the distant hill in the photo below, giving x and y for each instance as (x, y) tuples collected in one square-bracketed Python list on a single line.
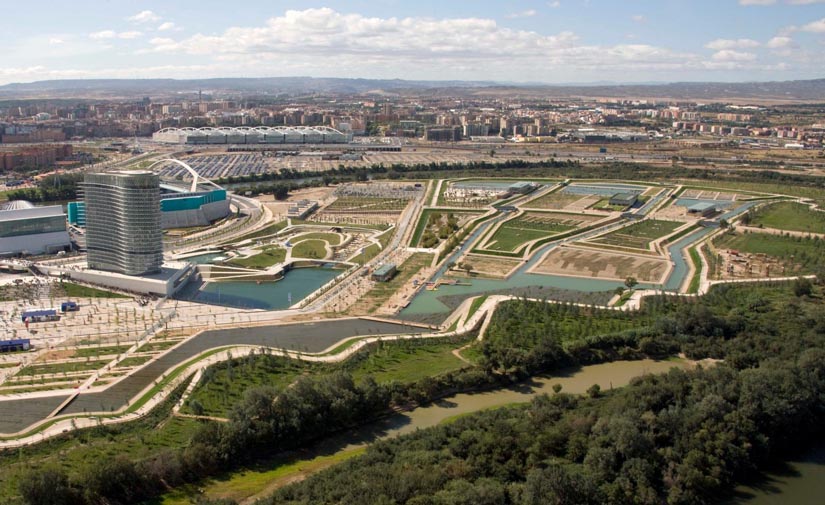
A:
[(778, 91), (265, 85)]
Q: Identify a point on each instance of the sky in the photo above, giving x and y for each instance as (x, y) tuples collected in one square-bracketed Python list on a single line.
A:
[(542, 41)]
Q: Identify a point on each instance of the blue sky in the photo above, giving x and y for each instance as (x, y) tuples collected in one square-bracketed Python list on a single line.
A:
[(553, 41)]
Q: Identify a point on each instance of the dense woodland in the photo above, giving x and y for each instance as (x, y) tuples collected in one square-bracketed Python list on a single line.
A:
[(680, 438)]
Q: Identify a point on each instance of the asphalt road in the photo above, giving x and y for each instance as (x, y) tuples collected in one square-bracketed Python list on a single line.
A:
[(16, 415)]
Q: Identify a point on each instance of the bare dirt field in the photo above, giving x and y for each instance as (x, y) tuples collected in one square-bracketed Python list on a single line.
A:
[(488, 266), (603, 265)]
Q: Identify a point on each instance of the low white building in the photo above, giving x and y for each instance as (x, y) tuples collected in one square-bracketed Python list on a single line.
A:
[(26, 229)]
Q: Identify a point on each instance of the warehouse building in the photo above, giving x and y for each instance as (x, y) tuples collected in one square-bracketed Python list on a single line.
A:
[(252, 135)]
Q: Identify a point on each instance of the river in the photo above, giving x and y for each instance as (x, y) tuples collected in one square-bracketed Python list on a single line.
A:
[(796, 482), (259, 482)]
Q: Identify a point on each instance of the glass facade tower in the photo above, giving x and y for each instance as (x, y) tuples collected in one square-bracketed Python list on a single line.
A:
[(123, 227)]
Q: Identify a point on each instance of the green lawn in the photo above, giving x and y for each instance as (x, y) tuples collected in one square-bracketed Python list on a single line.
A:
[(406, 360), (332, 238), (268, 230), (513, 234), (313, 249), (246, 483), (76, 290), (789, 216), (798, 255), (266, 258), (100, 351), (160, 345), (696, 279), (75, 366), (475, 305), (369, 253), (133, 361), (639, 235)]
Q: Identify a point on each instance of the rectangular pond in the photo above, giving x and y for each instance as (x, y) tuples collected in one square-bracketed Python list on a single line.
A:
[(296, 285)]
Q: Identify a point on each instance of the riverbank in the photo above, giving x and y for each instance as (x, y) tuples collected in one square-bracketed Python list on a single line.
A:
[(250, 484)]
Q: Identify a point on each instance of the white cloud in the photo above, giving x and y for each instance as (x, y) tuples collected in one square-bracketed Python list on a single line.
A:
[(806, 2), (105, 34), (728, 55), (313, 41), (815, 26), (757, 2), (779, 42), (111, 34), (167, 26), (523, 14), (55, 41), (639, 18), (554, 5), (144, 17), (720, 44)]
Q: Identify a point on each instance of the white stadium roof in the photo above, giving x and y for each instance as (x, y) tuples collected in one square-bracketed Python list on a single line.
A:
[(252, 135)]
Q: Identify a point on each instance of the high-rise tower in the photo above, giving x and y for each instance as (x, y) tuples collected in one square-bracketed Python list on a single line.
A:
[(123, 229)]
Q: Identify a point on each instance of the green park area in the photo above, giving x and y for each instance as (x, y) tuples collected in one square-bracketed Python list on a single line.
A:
[(788, 216), (382, 291), (266, 231), (514, 233), (310, 249), (223, 385), (639, 235), (73, 290), (331, 238), (437, 225), (799, 255), (267, 257), (66, 367)]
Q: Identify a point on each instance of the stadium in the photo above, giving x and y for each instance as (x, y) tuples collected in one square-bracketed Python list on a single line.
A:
[(252, 135), (182, 205)]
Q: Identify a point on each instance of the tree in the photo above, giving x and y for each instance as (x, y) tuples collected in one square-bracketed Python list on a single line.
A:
[(594, 391), (802, 287), (723, 223), (47, 487), (630, 282)]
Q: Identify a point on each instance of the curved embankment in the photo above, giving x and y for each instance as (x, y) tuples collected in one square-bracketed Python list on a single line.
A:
[(27, 416)]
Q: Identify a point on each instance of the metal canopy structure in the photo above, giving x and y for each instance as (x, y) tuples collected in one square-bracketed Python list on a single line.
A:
[(252, 135)]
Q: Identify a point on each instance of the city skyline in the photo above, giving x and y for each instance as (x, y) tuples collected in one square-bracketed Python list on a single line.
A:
[(564, 41)]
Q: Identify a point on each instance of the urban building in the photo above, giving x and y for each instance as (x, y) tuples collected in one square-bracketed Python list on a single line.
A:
[(26, 229), (123, 222), (444, 134), (179, 208)]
